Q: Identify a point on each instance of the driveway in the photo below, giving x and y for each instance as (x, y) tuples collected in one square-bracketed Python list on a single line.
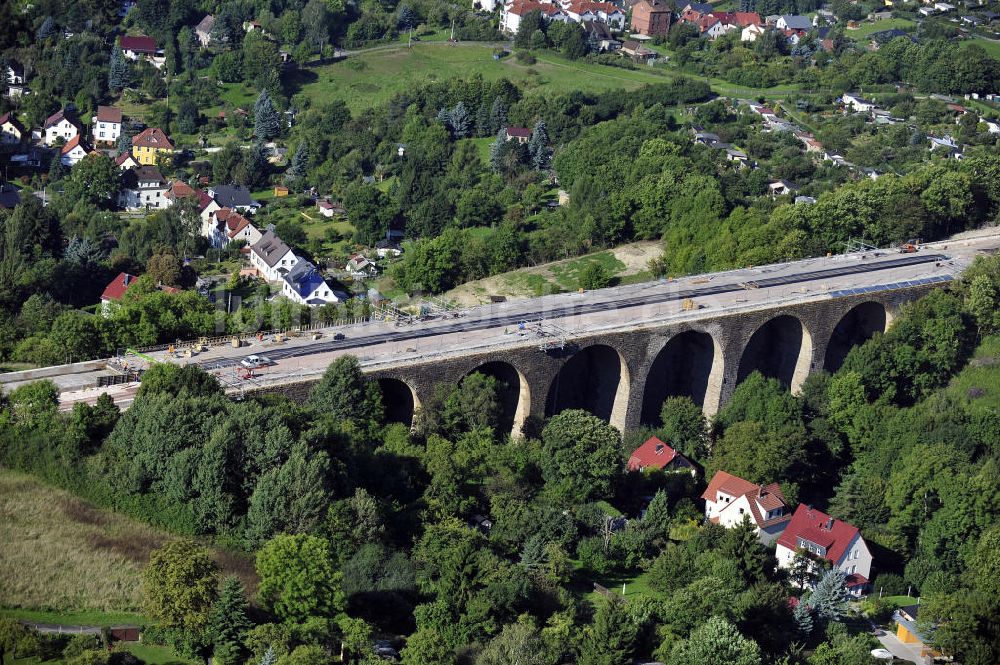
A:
[(910, 652)]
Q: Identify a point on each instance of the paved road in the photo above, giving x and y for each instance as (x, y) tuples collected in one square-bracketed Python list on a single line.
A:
[(579, 309)]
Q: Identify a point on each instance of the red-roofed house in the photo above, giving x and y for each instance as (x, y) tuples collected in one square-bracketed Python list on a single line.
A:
[(602, 12), (728, 498), (73, 151), (510, 17), (149, 144), (126, 161), (115, 289), (827, 538), (654, 454), (519, 134), (142, 47), (743, 19)]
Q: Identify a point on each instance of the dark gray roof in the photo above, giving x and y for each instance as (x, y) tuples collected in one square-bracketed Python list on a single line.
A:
[(233, 196), (304, 278), (797, 22), (270, 248), (9, 196)]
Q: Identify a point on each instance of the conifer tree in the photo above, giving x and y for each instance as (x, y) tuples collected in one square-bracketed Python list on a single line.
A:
[(120, 71), (228, 621), (538, 146), (830, 598), (802, 614), (267, 121), (498, 151), (460, 121), (300, 161), (498, 116)]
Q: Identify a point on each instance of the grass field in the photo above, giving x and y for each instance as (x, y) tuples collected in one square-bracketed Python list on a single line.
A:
[(992, 48), (372, 78), (979, 382), (77, 562), (866, 29), (627, 263)]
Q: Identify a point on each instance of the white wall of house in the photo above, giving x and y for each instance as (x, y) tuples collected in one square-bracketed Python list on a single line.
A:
[(64, 129), (141, 198), (323, 292), (73, 156), (857, 558), (276, 272), (106, 132)]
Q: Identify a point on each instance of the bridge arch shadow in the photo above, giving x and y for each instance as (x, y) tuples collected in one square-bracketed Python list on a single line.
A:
[(399, 400), (781, 348), (854, 328), (687, 365), (514, 393), (594, 379)]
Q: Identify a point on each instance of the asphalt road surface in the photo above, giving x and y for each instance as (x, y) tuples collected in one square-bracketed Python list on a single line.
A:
[(514, 318)]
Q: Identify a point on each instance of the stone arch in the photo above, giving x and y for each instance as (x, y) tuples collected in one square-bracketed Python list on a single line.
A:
[(781, 348), (515, 394), (595, 379), (690, 364), (858, 325), (399, 400)]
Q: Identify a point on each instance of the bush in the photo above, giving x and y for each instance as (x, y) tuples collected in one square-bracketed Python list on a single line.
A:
[(525, 58), (890, 584), (590, 551)]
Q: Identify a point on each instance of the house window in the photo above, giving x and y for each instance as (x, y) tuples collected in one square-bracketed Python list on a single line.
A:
[(102, 135)]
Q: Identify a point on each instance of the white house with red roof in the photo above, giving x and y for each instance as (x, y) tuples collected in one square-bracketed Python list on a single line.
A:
[(519, 134), (115, 289), (226, 225), (141, 47), (827, 538), (579, 11), (60, 125), (655, 454), (126, 161), (510, 17), (73, 151), (728, 498)]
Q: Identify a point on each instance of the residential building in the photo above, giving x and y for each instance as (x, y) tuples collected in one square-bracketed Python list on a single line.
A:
[(236, 197), (486, 5), (141, 47), (519, 134), (781, 188), (305, 285), (106, 126), (729, 498), (73, 151), (144, 188), (60, 125), (579, 11), (15, 73), (150, 144), (599, 38), (271, 257), (510, 17), (206, 207), (12, 132), (385, 248), (114, 291), (751, 33), (633, 49), (179, 190), (655, 454), (857, 103), (832, 540), (329, 209), (126, 161), (204, 30), (651, 17), (360, 267), (234, 226), (798, 23)]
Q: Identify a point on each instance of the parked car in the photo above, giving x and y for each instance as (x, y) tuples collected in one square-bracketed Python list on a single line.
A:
[(882, 654), (338, 336), (253, 362)]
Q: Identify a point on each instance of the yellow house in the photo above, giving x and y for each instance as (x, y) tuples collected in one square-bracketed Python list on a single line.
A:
[(151, 143)]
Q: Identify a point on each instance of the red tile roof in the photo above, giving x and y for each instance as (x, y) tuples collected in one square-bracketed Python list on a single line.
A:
[(72, 143), (59, 116), (760, 497), (653, 454), (124, 157), (180, 189), (139, 44), (118, 286), (520, 132), (522, 7), (746, 18), (204, 200), (152, 137), (819, 528), (109, 114)]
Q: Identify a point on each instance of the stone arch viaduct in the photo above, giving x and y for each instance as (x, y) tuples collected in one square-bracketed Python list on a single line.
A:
[(623, 377)]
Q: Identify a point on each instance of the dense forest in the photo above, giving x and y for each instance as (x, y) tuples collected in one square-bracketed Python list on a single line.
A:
[(376, 524)]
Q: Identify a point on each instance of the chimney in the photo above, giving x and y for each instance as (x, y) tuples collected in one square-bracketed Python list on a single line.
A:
[(760, 491), (829, 523)]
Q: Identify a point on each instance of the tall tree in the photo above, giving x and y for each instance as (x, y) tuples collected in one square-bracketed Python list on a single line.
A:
[(538, 146), (300, 161), (180, 585), (581, 456), (460, 121), (229, 621), (119, 69), (345, 394), (498, 116), (267, 120), (611, 639), (296, 578), (743, 547), (830, 598)]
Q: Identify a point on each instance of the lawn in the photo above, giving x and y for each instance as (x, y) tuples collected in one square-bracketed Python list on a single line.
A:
[(992, 48), (636, 586), (372, 78), (567, 274), (64, 555), (149, 653), (76, 618), (866, 29), (979, 382)]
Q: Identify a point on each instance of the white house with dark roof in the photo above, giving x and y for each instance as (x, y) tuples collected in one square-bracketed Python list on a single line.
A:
[(143, 188), (729, 498), (305, 285), (106, 126), (204, 30), (60, 125), (236, 197), (272, 257)]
